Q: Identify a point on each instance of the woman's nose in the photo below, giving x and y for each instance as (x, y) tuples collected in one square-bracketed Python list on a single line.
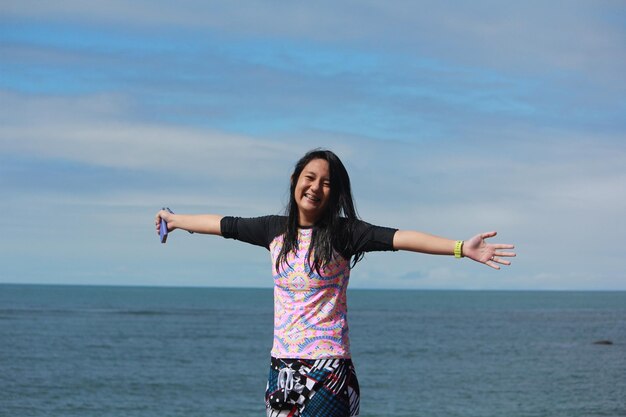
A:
[(315, 185)]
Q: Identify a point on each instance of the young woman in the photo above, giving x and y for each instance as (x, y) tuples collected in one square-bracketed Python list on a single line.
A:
[(313, 248)]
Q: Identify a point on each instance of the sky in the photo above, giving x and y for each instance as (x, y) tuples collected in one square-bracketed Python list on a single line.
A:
[(452, 118)]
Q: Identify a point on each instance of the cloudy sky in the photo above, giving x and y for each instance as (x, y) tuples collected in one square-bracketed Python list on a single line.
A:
[(452, 117)]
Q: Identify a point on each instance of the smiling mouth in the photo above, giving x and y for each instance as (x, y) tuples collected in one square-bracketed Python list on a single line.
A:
[(312, 198)]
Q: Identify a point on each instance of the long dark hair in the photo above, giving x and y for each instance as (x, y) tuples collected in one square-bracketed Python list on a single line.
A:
[(333, 230)]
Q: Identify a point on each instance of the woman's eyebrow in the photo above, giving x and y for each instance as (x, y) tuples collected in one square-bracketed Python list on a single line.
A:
[(314, 174)]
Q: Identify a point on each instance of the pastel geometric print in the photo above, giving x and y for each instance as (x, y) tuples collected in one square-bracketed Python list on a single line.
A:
[(310, 310)]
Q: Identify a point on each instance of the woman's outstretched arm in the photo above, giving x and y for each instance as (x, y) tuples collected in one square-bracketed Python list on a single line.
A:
[(475, 248), (196, 223)]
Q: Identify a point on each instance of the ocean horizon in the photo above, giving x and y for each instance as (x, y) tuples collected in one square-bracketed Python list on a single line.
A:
[(85, 350)]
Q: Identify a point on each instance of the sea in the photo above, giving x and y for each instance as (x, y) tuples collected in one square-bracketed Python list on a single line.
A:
[(87, 351)]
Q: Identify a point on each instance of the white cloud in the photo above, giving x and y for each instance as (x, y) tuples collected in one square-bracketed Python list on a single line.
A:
[(95, 130), (583, 37), (558, 192)]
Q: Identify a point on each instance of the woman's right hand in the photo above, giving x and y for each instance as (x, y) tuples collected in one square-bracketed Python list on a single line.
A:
[(165, 215)]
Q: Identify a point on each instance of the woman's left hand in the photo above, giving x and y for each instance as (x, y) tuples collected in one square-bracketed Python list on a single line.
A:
[(489, 254)]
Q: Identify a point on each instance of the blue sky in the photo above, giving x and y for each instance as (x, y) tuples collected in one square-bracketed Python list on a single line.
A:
[(452, 117)]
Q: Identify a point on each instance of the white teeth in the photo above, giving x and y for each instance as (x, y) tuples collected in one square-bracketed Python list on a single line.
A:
[(310, 197)]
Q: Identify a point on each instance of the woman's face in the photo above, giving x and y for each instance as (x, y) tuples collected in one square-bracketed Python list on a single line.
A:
[(312, 191)]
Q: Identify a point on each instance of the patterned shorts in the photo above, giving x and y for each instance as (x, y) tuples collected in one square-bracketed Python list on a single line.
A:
[(312, 387)]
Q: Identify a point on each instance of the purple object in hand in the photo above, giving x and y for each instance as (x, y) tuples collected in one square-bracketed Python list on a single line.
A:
[(163, 229)]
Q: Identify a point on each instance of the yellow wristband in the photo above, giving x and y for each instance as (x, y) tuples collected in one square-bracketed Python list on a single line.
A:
[(458, 249)]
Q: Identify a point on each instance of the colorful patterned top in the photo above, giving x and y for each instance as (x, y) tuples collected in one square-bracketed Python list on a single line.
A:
[(310, 309)]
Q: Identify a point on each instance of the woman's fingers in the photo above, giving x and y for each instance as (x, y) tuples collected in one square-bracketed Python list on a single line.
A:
[(500, 261), (509, 254)]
